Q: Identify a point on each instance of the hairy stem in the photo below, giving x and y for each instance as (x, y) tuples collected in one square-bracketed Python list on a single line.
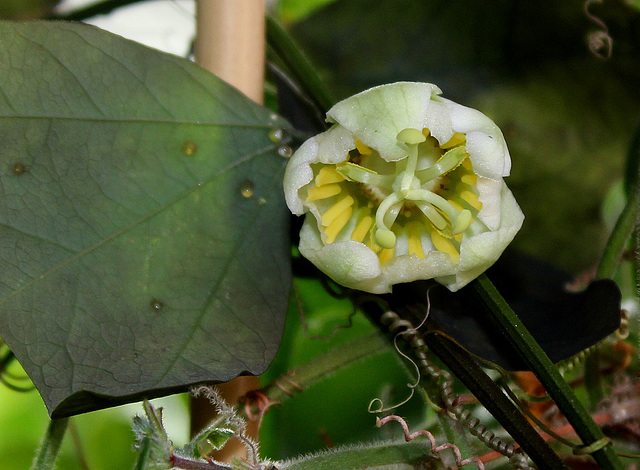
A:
[(282, 389), (50, 445), (187, 464)]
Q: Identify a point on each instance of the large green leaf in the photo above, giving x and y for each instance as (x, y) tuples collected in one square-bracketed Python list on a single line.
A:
[(143, 235)]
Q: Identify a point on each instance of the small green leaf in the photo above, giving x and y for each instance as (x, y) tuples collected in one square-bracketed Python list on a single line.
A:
[(216, 438), (143, 234)]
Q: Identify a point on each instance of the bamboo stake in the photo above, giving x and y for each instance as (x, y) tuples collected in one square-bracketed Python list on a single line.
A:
[(230, 43)]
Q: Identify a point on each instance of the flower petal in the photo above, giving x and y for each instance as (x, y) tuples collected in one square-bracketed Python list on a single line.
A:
[(485, 142), (377, 115), (479, 252), (349, 263), (332, 146)]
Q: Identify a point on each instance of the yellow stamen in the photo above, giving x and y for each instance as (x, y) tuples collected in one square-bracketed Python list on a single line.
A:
[(337, 224), (455, 204), (469, 179), (457, 139), (471, 198), (386, 254), (362, 228), (466, 163), (323, 192), (426, 132), (337, 209), (414, 241), (445, 246), (458, 237), (328, 175), (362, 148)]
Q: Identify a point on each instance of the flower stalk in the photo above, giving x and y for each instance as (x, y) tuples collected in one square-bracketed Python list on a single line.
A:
[(548, 375)]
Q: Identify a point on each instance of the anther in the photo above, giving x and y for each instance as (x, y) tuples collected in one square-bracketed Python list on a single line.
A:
[(362, 148), (323, 192), (336, 210), (362, 227), (328, 175)]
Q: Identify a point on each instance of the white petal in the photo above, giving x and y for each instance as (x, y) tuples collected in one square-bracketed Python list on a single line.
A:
[(332, 146), (485, 142), (408, 268), (479, 252), (377, 115), (438, 121), (490, 195), (349, 263)]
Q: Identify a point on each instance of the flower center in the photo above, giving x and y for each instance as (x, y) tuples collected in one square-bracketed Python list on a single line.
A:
[(413, 186), (427, 198)]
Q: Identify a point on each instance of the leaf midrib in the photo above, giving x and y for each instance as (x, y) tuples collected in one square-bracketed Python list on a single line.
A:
[(140, 120)]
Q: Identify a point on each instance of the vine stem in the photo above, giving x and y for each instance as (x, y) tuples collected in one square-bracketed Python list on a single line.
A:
[(186, 464), (548, 375), (324, 366), (298, 65), (616, 244), (50, 446)]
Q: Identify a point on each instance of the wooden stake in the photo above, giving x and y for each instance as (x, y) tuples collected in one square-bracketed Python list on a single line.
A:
[(230, 43)]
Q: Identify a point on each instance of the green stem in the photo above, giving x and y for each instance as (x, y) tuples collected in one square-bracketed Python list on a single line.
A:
[(494, 400), (632, 170), (50, 445), (379, 455), (618, 242), (538, 362), (143, 454), (325, 365), (298, 65), (620, 236)]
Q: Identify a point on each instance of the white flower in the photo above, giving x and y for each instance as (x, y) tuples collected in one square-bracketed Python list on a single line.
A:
[(405, 185)]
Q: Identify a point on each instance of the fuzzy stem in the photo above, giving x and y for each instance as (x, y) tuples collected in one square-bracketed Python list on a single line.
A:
[(143, 454), (50, 445), (538, 362), (325, 365), (187, 464)]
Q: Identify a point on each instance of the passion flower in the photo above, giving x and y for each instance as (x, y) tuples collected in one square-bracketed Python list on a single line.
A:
[(405, 185)]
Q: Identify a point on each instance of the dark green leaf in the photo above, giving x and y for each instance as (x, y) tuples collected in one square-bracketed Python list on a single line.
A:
[(143, 233), (562, 322)]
